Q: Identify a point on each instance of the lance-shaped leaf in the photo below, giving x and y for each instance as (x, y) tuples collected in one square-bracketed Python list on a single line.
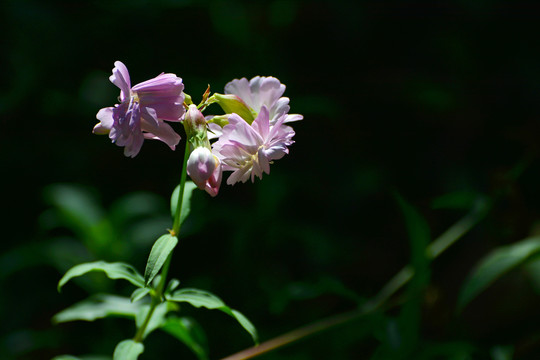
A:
[(139, 293), (186, 200), (171, 286), (200, 298), (97, 307), (189, 332), (128, 350), (410, 315), (494, 265), (112, 270), (158, 255)]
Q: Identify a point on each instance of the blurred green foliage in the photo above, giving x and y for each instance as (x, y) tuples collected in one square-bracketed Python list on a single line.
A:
[(426, 98)]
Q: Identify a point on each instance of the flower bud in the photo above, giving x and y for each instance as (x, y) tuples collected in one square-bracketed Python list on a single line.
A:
[(194, 118), (205, 170), (195, 126), (233, 104)]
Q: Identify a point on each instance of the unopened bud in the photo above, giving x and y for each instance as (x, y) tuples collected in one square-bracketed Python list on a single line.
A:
[(233, 104), (205, 170)]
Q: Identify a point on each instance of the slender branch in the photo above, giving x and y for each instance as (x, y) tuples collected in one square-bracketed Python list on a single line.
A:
[(295, 335), (437, 247)]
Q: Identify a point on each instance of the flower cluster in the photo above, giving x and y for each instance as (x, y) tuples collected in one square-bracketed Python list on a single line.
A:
[(251, 134)]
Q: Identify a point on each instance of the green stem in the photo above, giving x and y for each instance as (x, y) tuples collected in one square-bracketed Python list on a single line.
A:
[(139, 335), (176, 225), (157, 296)]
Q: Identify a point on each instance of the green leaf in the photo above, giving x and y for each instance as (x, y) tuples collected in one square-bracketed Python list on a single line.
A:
[(112, 270), (502, 352), (197, 298), (77, 204), (97, 307), (139, 293), (189, 332), (189, 186), (532, 268), (128, 350), (158, 255), (460, 200), (418, 231), (171, 286), (158, 316), (85, 357), (244, 321), (200, 298), (76, 208), (494, 265), (136, 206), (410, 315)]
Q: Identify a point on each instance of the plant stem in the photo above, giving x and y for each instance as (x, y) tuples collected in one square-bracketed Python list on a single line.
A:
[(139, 335), (157, 297), (177, 223)]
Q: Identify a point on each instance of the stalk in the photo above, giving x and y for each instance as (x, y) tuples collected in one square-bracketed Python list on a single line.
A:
[(157, 296)]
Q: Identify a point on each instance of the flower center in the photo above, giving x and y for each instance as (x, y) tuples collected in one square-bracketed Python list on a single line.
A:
[(134, 97), (254, 158)]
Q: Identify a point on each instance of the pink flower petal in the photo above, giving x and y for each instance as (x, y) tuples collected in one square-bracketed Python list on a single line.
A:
[(120, 78), (163, 132)]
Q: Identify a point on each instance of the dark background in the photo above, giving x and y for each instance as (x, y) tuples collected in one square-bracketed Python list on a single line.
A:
[(422, 98)]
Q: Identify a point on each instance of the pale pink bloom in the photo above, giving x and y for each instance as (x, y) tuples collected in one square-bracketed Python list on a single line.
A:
[(142, 110), (204, 169), (263, 91), (247, 150)]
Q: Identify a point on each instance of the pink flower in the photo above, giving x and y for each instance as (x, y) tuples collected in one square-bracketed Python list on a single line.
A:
[(142, 110), (247, 150), (204, 169), (263, 91)]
